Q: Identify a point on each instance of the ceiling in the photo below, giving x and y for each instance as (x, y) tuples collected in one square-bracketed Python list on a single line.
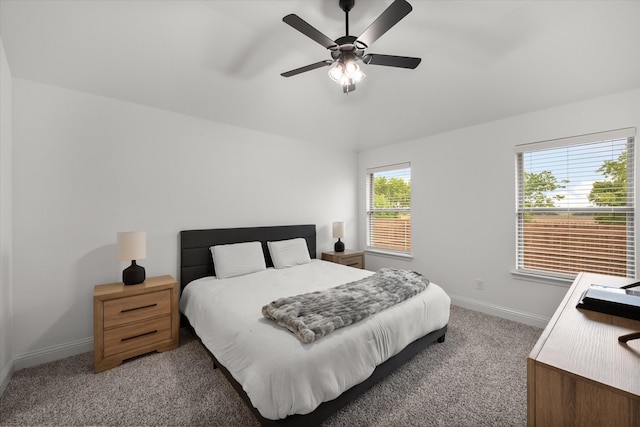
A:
[(221, 60)]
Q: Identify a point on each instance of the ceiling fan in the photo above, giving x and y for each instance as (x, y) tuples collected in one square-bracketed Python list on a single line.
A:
[(346, 51)]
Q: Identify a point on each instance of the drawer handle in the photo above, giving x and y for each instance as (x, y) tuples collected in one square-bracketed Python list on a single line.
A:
[(353, 263), (138, 336), (138, 308)]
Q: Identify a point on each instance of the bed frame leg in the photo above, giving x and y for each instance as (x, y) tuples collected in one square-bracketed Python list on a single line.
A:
[(441, 339)]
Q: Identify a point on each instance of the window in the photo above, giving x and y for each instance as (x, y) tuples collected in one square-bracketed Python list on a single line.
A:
[(389, 209), (575, 205)]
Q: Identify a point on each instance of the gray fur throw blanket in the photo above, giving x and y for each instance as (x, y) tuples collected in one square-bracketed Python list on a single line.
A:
[(313, 315)]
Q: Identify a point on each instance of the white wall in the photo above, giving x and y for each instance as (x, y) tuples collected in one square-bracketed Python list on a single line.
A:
[(86, 167), (463, 203), (6, 360)]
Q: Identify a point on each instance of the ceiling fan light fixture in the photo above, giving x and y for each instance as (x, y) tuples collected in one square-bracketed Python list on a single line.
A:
[(346, 73)]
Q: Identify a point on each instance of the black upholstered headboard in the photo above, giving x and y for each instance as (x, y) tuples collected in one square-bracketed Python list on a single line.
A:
[(195, 256)]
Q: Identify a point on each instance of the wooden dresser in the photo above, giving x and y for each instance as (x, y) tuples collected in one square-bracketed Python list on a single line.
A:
[(348, 257), (578, 374), (132, 320)]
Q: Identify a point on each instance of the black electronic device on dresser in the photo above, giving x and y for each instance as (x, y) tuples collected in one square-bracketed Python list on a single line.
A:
[(623, 301)]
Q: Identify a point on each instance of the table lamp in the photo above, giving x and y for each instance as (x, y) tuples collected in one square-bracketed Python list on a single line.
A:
[(338, 231), (132, 245)]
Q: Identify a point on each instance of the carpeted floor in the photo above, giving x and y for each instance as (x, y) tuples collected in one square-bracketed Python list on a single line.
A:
[(477, 377)]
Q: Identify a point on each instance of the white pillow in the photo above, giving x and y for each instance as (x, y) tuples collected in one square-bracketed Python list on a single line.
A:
[(288, 253), (237, 259)]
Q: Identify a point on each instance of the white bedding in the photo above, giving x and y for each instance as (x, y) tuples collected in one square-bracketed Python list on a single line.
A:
[(281, 375)]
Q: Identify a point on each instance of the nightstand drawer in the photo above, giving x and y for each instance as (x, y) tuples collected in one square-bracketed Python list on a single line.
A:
[(138, 307), (352, 261), (119, 340), (349, 257)]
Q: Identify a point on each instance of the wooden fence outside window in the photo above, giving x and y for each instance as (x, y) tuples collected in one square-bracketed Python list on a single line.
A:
[(391, 233), (572, 246)]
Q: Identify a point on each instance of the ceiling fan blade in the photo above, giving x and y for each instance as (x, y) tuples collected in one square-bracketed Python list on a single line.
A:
[(305, 28), (391, 60), (390, 17), (307, 68)]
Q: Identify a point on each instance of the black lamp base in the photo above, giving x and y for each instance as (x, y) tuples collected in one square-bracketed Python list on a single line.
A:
[(133, 274), (339, 246)]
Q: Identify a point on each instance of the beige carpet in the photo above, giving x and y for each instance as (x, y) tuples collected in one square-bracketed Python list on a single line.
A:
[(477, 377)]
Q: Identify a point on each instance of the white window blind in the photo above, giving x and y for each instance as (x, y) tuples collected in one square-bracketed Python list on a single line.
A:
[(389, 208), (575, 205)]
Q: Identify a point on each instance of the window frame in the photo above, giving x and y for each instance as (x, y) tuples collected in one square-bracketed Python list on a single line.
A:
[(371, 211), (520, 210)]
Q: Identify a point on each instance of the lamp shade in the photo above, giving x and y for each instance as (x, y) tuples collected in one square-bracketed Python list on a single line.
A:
[(132, 245), (338, 229)]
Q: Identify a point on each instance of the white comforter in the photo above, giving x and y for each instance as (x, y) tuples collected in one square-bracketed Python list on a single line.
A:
[(281, 375)]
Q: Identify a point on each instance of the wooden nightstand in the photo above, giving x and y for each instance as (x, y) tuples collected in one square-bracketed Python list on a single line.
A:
[(132, 320), (348, 257)]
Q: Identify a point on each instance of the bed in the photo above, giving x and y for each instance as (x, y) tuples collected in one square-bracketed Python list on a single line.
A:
[(283, 381)]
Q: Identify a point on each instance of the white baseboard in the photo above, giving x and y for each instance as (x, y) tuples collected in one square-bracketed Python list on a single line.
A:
[(496, 310), (5, 376), (50, 354)]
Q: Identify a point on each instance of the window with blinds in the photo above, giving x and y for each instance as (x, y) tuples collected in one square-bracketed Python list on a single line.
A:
[(389, 209), (575, 205)]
